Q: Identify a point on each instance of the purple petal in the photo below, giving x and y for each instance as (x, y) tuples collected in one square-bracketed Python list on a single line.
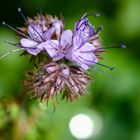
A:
[(48, 33), (35, 31), (80, 62), (77, 41), (85, 28), (28, 43), (66, 38), (33, 51), (68, 55), (52, 47), (88, 32), (84, 56), (58, 56), (80, 25), (90, 60), (86, 60), (41, 46), (87, 47), (58, 27)]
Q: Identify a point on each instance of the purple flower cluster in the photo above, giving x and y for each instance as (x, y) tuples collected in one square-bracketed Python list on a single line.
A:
[(79, 46), (68, 54), (40, 32)]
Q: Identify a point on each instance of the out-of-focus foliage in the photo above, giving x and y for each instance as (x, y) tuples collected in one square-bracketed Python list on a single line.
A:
[(116, 100)]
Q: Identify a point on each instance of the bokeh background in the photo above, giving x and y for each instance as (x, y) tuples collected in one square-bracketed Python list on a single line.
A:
[(113, 99)]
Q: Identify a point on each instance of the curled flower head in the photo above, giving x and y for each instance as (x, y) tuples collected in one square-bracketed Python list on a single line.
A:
[(85, 27), (49, 80)]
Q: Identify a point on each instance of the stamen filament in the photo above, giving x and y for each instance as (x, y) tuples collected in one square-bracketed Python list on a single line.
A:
[(21, 13), (14, 44), (18, 45), (93, 14), (10, 52), (101, 71), (15, 30), (111, 68), (117, 47)]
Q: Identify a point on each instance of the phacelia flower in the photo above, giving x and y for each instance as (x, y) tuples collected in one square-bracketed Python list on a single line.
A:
[(85, 28), (85, 45), (68, 54), (38, 31), (41, 31), (89, 33), (78, 46), (83, 52), (59, 49)]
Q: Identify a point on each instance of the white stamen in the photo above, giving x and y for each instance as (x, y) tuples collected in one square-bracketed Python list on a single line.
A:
[(3, 23), (21, 13), (111, 68), (103, 72), (19, 9), (96, 15), (123, 46)]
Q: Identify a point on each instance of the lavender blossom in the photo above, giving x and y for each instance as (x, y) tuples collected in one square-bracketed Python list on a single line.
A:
[(78, 46), (85, 45), (83, 52), (39, 34), (35, 44), (38, 31), (85, 28), (89, 33), (68, 54), (59, 49)]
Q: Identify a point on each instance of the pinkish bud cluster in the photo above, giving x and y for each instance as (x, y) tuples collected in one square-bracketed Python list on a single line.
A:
[(52, 79)]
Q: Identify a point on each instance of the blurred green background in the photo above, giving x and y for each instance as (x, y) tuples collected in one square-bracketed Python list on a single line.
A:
[(112, 103)]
